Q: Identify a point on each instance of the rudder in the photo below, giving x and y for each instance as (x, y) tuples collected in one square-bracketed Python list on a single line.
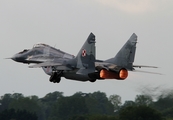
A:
[(86, 56)]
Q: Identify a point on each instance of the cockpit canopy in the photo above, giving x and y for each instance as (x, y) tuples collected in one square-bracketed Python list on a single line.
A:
[(25, 50)]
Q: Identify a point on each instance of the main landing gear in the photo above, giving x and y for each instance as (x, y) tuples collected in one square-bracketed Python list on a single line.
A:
[(55, 77), (92, 80)]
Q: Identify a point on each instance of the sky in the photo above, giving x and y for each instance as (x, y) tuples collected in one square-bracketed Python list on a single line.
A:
[(66, 24)]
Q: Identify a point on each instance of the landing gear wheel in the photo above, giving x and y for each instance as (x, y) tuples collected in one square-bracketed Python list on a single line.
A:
[(55, 78), (92, 80)]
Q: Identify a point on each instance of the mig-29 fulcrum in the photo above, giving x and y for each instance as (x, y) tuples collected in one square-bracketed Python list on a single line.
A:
[(84, 66)]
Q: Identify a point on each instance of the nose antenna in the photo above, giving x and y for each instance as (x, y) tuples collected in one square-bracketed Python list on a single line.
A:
[(13, 58)]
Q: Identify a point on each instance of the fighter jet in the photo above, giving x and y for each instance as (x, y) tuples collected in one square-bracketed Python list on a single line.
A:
[(83, 66)]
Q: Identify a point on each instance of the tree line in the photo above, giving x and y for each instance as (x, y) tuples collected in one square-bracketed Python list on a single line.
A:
[(85, 106)]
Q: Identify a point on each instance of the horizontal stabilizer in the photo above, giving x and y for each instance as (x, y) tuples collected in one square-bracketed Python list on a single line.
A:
[(147, 72), (139, 66)]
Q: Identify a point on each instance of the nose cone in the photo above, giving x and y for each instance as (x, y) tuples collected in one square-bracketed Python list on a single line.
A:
[(18, 58), (15, 57), (21, 56)]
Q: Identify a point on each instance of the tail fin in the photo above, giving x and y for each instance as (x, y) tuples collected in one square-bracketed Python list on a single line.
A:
[(86, 56), (125, 57)]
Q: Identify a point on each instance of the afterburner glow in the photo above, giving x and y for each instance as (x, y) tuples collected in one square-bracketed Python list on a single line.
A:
[(122, 74), (107, 74)]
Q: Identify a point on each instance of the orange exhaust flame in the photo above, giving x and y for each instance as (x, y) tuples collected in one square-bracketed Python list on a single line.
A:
[(104, 74), (123, 74)]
